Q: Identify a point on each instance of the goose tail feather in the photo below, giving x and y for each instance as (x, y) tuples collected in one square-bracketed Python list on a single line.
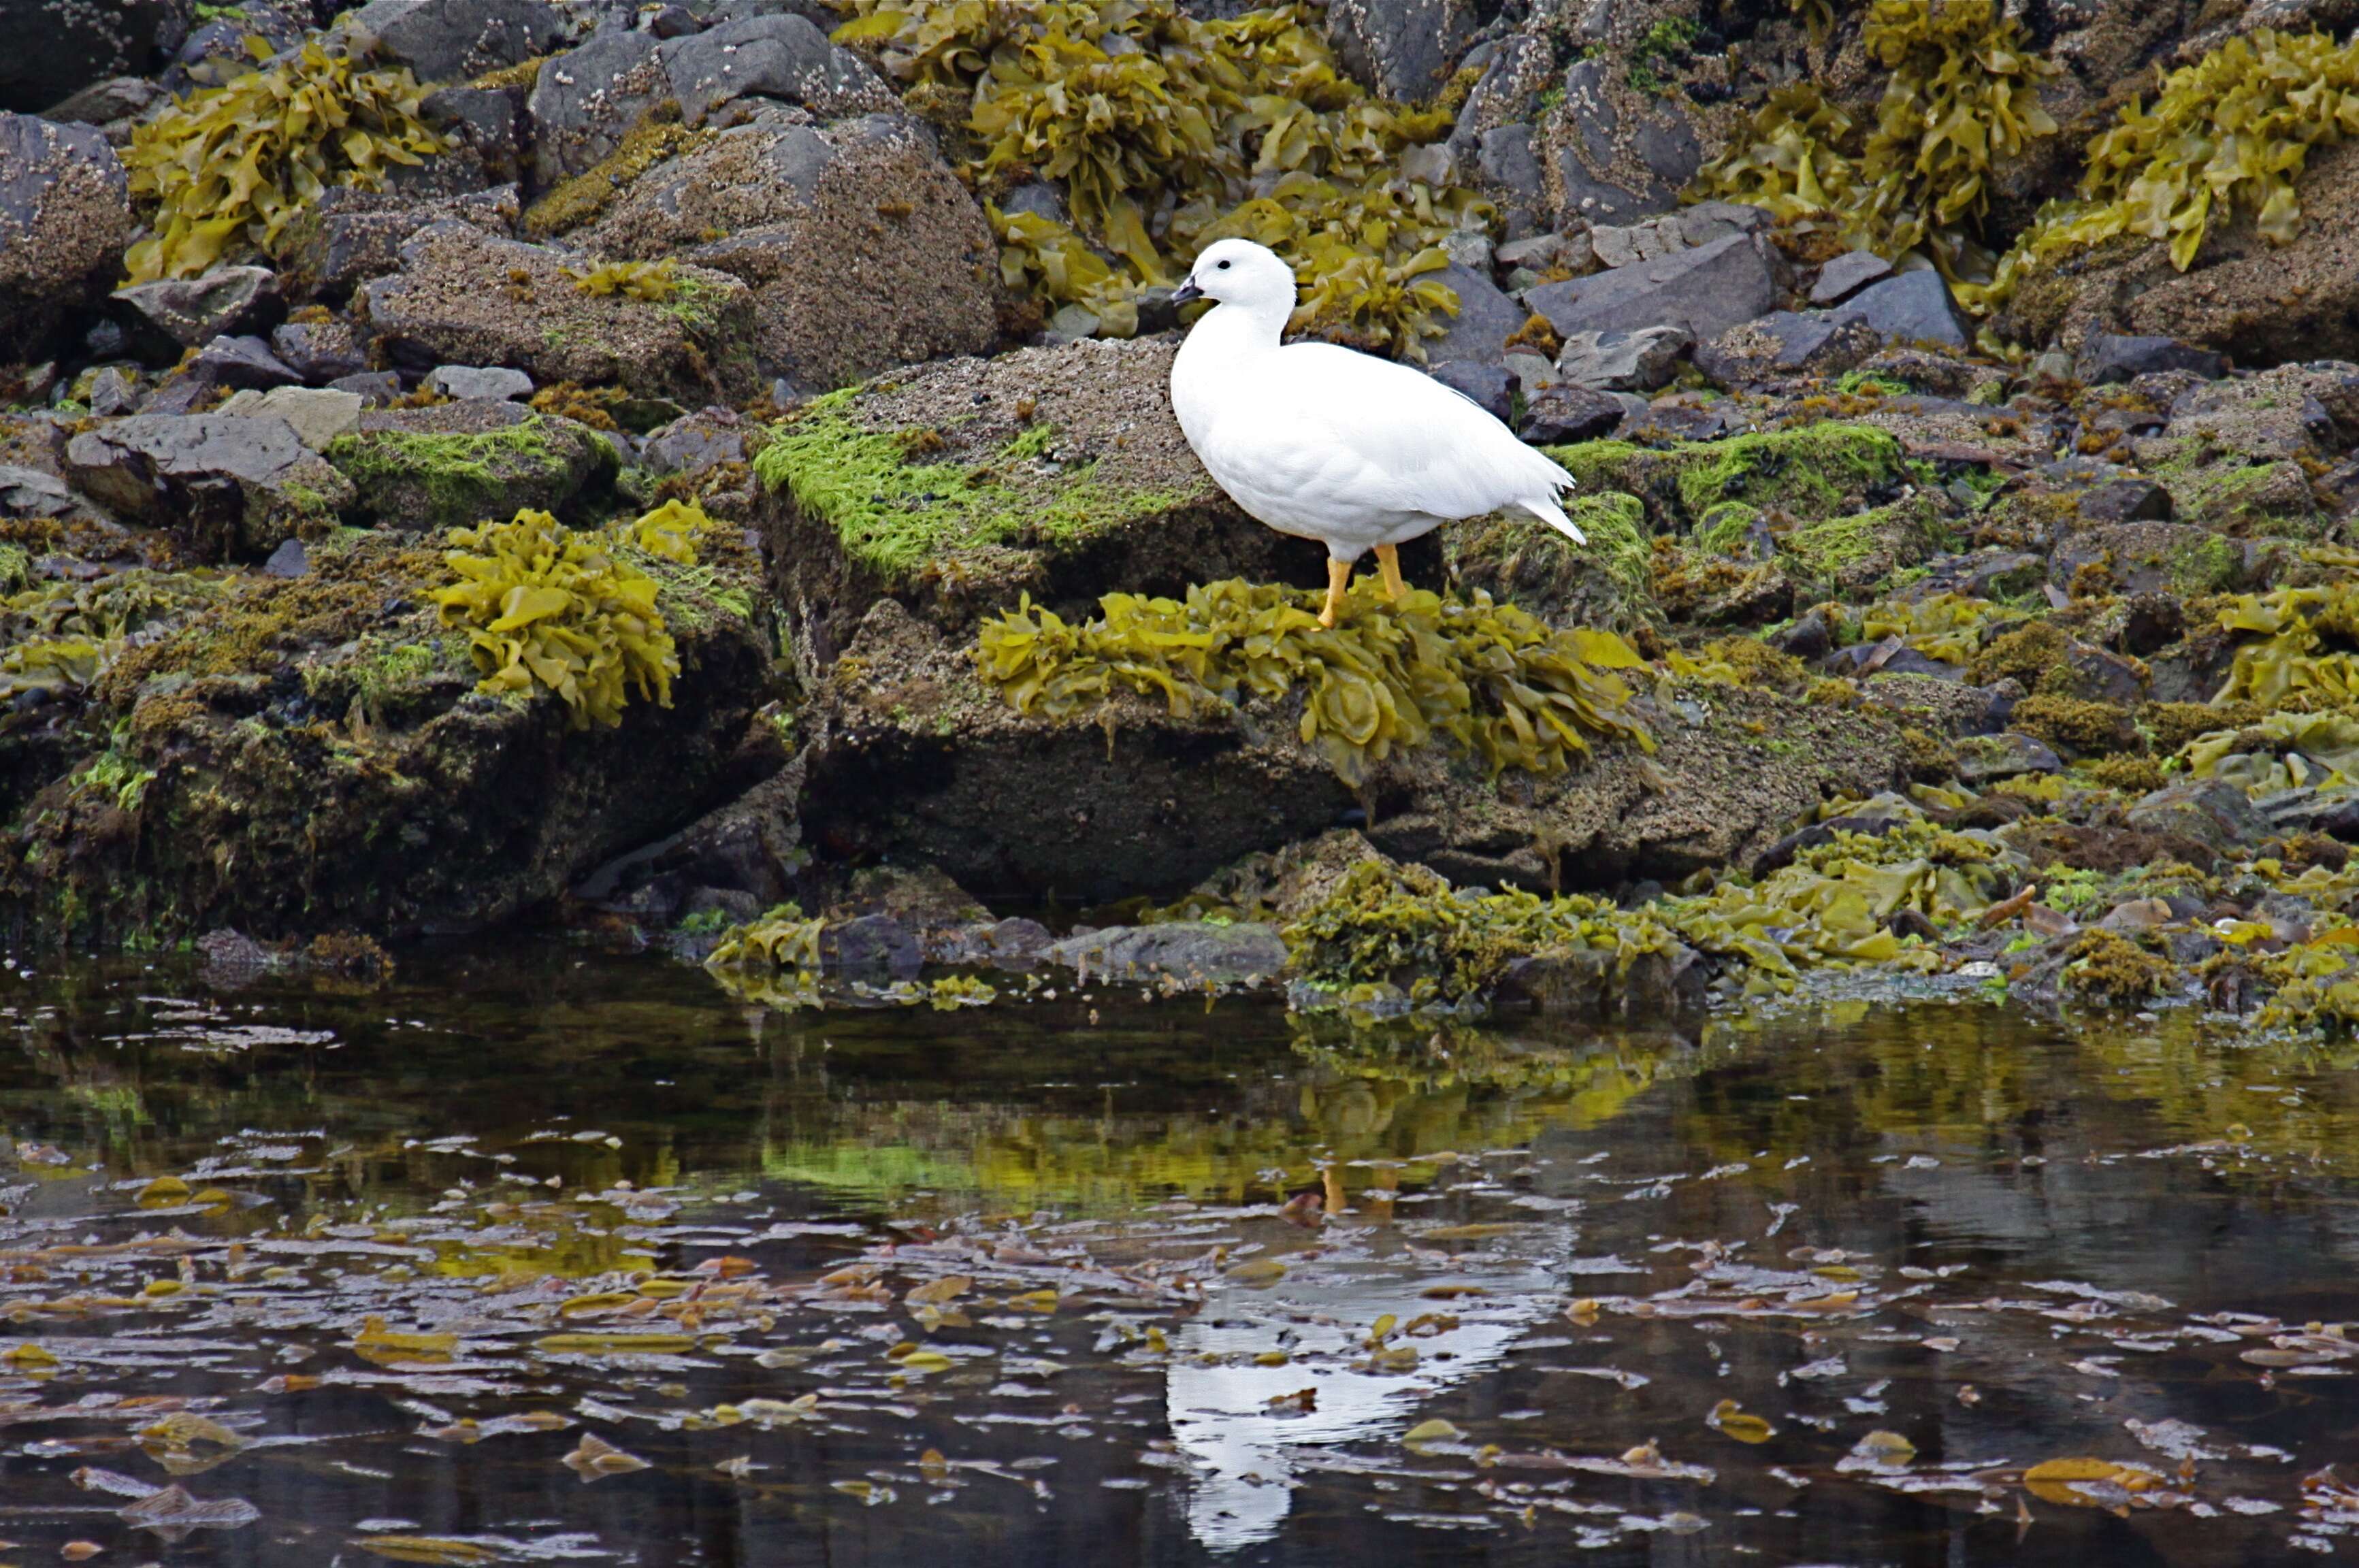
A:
[(1545, 508)]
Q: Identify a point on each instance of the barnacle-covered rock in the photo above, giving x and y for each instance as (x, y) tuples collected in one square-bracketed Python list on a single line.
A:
[(465, 297), (65, 213), (862, 249)]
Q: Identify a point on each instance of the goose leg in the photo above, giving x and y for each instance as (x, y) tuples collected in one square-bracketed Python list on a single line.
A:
[(1339, 577), (1389, 567)]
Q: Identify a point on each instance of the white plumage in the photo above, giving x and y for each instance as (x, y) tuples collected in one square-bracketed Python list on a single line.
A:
[(1330, 444)]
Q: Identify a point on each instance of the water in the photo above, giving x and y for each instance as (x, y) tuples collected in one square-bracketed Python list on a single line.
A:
[(1153, 1254)]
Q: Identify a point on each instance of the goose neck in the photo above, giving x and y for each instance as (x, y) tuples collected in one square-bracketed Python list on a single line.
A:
[(1239, 332)]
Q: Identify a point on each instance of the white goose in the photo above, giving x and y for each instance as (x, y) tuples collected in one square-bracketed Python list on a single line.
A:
[(1330, 444)]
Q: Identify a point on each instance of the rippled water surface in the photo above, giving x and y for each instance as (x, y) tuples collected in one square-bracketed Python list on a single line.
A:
[(552, 1255)]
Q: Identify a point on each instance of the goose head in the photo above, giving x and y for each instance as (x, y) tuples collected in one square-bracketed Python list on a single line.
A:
[(1239, 272)]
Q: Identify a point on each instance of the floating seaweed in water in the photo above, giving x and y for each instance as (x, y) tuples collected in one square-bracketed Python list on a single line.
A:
[(1494, 680), (545, 605)]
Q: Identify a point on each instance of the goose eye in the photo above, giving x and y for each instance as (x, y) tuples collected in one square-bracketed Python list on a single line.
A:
[(1224, 266)]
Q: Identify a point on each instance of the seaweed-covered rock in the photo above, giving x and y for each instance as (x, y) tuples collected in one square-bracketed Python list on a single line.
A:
[(233, 488), (457, 463), (861, 249), (1608, 582), (314, 753), (1056, 471), (466, 297), (65, 216)]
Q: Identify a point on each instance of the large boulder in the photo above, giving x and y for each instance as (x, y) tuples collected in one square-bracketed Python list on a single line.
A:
[(458, 464), (1402, 49), (464, 297), (1705, 289), (861, 249), (1612, 155), (451, 40), (312, 754), (233, 487), (780, 57), (350, 235), (58, 47), (586, 100), (65, 216)]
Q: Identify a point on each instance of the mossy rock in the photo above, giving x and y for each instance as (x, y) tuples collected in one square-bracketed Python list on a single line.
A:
[(456, 464), (1607, 582), (1810, 474), (1857, 554), (314, 753), (911, 758)]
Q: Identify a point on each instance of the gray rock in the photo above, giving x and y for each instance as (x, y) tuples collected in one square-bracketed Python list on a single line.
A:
[(2210, 810), (1913, 307), (289, 560), (1491, 387), (1403, 49), (781, 57), (319, 351), (468, 383), (1787, 343), (1504, 158), (1589, 984), (65, 216), (1485, 319), (349, 237), (319, 414), (2127, 500), (235, 487), (375, 388), (29, 493), (1537, 251), (1640, 361), (1187, 951), (486, 125), (1986, 759), (245, 363), (454, 464), (1705, 289), (862, 249), (870, 944), (57, 47), (1554, 414), (451, 40), (585, 100), (114, 102), (1846, 275), (695, 442), (187, 312), (1708, 221), (113, 391), (2152, 556), (2110, 357), (1039, 198)]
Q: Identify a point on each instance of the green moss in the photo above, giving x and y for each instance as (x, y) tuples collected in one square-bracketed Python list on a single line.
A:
[(1387, 676), (1724, 529), (895, 517), (2213, 566), (463, 475), (1810, 473), (659, 136)]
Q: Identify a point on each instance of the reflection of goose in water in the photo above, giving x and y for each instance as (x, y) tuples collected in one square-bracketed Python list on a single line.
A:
[(1244, 1452)]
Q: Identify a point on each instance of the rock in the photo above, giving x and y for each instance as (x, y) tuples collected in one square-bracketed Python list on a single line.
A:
[(185, 312), (1401, 50), (375, 388), (1188, 953), (233, 487), (1638, 361), (318, 414), (1986, 759), (1589, 985), (291, 559), (1504, 158), (2152, 621), (2109, 356), (56, 48), (2212, 811), (1607, 170), (456, 463), (451, 40), (467, 382), (485, 128), (2128, 500), (439, 310), (65, 216), (872, 943), (1784, 344), (1708, 220), (1491, 388), (586, 100), (1565, 412), (781, 57), (695, 443), (1705, 290), (239, 361), (862, 250), (747, 852), (112, 105), (113, 391), (1911, 308), (349, 236), (1846, 275), (1666, 422), (1485, 319), (2149, 557), (1014, 944), (319, 351), (29, 493)]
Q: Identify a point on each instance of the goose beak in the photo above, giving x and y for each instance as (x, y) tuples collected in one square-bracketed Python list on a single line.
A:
[(1187, 293)]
